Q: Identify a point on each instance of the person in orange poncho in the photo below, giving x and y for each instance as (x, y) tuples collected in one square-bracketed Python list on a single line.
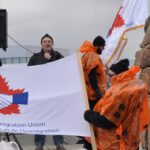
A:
[(94, 73), (122, 114)]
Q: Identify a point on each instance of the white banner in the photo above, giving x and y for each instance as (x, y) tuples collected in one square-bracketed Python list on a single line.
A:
[(44, 99), (131, 15)]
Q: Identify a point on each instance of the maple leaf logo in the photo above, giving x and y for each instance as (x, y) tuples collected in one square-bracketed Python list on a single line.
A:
[(18, 97), (118, 22)]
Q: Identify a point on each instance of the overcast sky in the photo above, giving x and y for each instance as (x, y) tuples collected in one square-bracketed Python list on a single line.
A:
[(69, 22)]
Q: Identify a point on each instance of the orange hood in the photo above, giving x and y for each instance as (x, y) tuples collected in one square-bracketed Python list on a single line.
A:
[(125, 76), (87, 46)]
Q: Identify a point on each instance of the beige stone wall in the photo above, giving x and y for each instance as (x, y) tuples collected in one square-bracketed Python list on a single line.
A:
[(145, 75), (146, 136), (142, 59), (148, 132)]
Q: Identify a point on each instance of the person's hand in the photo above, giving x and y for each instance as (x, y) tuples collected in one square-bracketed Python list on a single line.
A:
[(47, 55), (92, 117), (88, 114)]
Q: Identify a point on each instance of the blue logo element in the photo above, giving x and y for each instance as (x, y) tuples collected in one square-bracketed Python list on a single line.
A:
[(21, 98)]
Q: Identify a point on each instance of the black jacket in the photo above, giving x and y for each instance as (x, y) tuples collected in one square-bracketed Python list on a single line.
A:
[(38, 58)]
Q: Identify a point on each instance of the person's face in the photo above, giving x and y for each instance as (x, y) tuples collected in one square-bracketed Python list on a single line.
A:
[(47, 44), (99, 49)]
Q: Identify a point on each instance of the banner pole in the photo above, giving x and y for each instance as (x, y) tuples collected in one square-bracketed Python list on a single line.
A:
[(85, 97)]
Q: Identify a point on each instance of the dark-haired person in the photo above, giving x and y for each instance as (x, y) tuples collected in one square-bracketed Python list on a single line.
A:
[(94, 72), (119, 67), (122, 114), (46, 55)]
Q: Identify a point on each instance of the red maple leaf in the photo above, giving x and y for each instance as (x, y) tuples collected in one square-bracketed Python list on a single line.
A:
[(118, 22), (4, 89)]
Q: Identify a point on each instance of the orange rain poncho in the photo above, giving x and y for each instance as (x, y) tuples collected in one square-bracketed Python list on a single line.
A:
[(126, 105), (90, 60)]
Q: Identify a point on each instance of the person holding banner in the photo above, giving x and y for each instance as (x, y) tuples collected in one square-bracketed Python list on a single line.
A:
[(93, 68), (122, 114), (46, 55)]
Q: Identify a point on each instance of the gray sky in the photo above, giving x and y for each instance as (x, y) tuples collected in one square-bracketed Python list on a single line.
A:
[(69, 22)]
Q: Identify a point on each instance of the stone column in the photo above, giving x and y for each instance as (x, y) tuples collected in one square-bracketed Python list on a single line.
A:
[(142, 59)]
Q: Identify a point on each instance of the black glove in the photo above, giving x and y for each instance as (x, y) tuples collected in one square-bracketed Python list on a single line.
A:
[(89, 115), (98, 120)]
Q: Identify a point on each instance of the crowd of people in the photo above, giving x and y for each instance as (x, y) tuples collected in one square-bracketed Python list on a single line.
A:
[(119, 112)]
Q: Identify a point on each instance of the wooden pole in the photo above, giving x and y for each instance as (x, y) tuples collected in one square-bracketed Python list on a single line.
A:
[(86, 98)]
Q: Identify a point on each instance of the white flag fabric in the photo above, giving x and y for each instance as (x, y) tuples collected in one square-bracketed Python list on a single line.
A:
[(131, 15), (44, 99)]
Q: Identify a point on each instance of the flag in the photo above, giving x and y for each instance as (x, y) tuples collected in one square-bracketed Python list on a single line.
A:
[(44, 99), (131, 15)]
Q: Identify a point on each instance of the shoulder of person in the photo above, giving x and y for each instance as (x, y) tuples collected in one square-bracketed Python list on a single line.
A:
[(92, 55), (36, 54), (57, 54), (33, 59)]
